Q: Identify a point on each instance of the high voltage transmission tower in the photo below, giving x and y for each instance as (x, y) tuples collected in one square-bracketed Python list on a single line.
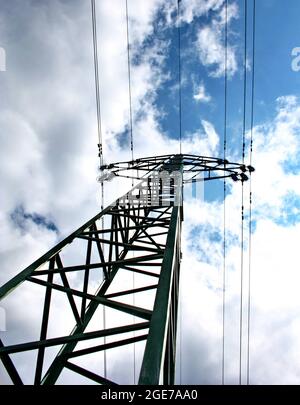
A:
[(90, 269)]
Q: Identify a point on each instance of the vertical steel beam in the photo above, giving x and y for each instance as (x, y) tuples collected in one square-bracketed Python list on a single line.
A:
[(146, 220), (159, 341), (44, 327), (158, 365)]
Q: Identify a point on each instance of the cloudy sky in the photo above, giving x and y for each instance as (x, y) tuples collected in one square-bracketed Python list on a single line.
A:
[(48, 155)]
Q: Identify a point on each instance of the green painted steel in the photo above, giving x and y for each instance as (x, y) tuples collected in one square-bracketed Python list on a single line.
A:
[(160, 326), (153, 232), (152, 367)]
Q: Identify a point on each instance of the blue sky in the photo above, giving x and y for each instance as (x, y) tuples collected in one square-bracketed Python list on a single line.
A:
[(273, 74), (48, 156)]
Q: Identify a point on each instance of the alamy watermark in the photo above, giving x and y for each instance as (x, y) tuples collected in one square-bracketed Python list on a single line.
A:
[(2, 320), (296, 59), (161, 188), (2, 60)]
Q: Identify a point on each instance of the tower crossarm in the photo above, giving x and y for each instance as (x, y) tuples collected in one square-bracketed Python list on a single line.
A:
[(195, 168), (116, 279)]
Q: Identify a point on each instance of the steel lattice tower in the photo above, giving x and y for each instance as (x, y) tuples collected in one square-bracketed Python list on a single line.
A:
[(141, 236)]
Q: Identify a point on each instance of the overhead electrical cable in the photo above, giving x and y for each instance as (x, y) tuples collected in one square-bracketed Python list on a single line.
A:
[(180, 151), (97, 87), (129, 84), (99, 132), (224, 189), (250, 188), (132, 158), (242, 194), (179, 74)]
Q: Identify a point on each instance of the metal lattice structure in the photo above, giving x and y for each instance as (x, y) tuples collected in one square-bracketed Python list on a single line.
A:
[(141, 237)]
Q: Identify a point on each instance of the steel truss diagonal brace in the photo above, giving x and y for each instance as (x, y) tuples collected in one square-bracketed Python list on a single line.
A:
[(91, 272)]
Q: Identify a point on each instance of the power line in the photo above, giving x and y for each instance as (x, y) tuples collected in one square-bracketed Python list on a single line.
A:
[(179, 75), (245, 81), (134, 351), (180, 150), (97, 89), (242, 281), (100, 143), (129, 84), (224, 192), (96, 72), (250, 191), (132, 157), (242, 198)]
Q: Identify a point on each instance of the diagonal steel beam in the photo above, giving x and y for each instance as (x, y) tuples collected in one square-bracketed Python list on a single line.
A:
[(147, 219)]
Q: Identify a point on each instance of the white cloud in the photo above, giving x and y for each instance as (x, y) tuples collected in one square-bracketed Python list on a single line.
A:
[(192, 9), (210, 36), (201, 95), (48, 121), (142, 14), (213, 139), (232, 13), (48, 165), (210, 44), (275, 328)]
